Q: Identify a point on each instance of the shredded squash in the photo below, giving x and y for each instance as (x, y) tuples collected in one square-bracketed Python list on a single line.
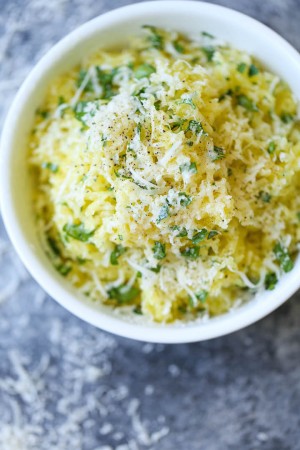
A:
[(167, 176)]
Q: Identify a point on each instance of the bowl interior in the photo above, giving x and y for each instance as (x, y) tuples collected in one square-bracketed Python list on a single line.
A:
[(112, 30)]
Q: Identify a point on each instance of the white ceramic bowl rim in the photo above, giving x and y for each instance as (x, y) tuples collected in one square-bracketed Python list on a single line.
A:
[(175, 333)]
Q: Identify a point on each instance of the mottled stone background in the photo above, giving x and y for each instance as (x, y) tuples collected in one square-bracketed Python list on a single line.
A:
[(65, 385)]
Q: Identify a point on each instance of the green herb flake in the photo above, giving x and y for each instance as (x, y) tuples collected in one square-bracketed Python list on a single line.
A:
[(138, 310), (155, 39), (63, 269), (201, 296), (78, 232), (241, 67), (227, 93), (61, 101), (298, 216), (195, 127), (105, 79), (157, 105), (43, 113), (144, 71), (116, 253), (191, 252), (53, 246), (178, 125), (253, 70), (178, 47), (246, 103), (217, 153), (50, 166), (184, 199), (156, 269), (163, 213), (199, 236), (82, 110), (265, 196), (182, 231), (286, 117), (271, 147), (130, 150), (81, 77), (188, 167), (270, 281), (206, 34), (123, 293), (186, 101), (159, 250), (283, 257), (212, 234), (209, 52)]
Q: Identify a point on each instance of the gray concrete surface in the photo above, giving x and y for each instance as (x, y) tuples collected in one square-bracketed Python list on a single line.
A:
[(65, 385)]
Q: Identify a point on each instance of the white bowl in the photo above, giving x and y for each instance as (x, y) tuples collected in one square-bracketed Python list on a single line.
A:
[(15, 194)]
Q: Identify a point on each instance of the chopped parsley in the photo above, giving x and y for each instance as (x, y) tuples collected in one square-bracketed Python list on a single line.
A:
[(241, 67), (283, 257), (182, 231), (286, 117), (157, 105), (217, 153), (144, 71), (81, 77), (271, 147), (105, 79), (178, 47), (184, 199), (83, 110), (163, 213), (116, 253), (178, 125), (130, 150), (155, 39), (265, 196), (50, 166), (187, 101), (206, 34), (43, 113), (63, 269), (201, 296), (199, 236), (195, 127), (61, 100), (188, 167), (138, 310), (156, 269), (227, 93), (209, 52), (253, 70), (212, 234), (246, 103), (123, 293), (159, 250), (270, 281), (53, 246), (191, 252), (78, 232), (298, 216)]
